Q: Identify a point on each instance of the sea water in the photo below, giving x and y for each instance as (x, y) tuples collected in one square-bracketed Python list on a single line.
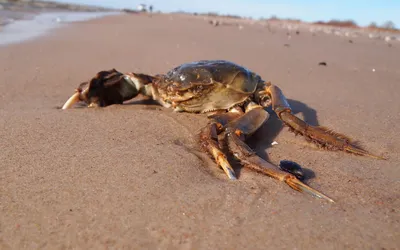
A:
[(33, 27)]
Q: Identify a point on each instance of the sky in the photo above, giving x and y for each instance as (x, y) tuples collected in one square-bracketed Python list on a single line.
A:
[(362, 12)]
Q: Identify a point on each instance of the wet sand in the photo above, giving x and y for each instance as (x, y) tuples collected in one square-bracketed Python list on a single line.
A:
[(25, 20), (126, 176), (30, 26)]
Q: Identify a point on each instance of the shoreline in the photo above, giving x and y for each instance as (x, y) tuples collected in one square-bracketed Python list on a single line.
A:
[(12, 12), (50, 19), (30, 26), (26, 16)]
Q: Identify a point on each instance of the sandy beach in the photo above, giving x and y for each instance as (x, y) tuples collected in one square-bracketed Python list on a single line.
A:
[(129, 176)]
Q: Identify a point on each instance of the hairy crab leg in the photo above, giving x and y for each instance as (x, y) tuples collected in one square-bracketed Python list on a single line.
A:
[(246, 125), (210, 145), (321, 136)]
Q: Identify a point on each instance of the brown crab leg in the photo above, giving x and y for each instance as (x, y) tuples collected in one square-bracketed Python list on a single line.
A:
[(323, 137), (247, 125), (210, 145)]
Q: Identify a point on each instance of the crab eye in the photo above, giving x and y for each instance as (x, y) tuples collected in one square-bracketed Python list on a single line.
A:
[(265, 101)]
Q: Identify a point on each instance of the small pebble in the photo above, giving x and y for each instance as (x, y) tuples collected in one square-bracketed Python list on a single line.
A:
[(293, 168)]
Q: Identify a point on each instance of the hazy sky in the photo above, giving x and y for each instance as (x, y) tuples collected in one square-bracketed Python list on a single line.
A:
[(363, 12)]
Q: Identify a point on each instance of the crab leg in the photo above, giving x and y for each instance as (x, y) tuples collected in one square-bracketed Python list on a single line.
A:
[(209, 144), (321, 136), (109, 87), (247, 125)]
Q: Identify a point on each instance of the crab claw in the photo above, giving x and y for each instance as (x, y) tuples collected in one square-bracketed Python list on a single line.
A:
[(79, 95), (108, 87), (71, 101)]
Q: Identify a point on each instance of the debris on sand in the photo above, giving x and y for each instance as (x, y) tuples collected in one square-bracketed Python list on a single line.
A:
[(214, 22)]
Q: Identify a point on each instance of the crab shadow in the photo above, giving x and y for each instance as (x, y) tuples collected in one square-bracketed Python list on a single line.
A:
[(150, 103), (261, 140)]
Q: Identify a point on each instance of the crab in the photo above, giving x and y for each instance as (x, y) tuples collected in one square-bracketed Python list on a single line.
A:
[(235, 99)]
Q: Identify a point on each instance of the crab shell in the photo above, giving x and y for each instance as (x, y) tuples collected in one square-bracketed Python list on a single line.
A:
[(205, 86)]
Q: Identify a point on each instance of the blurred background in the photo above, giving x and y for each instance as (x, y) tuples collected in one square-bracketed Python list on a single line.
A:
[(362, 12), (25, 19)]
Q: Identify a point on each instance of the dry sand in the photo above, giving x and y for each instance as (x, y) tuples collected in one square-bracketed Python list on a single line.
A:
[(125, 177)]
